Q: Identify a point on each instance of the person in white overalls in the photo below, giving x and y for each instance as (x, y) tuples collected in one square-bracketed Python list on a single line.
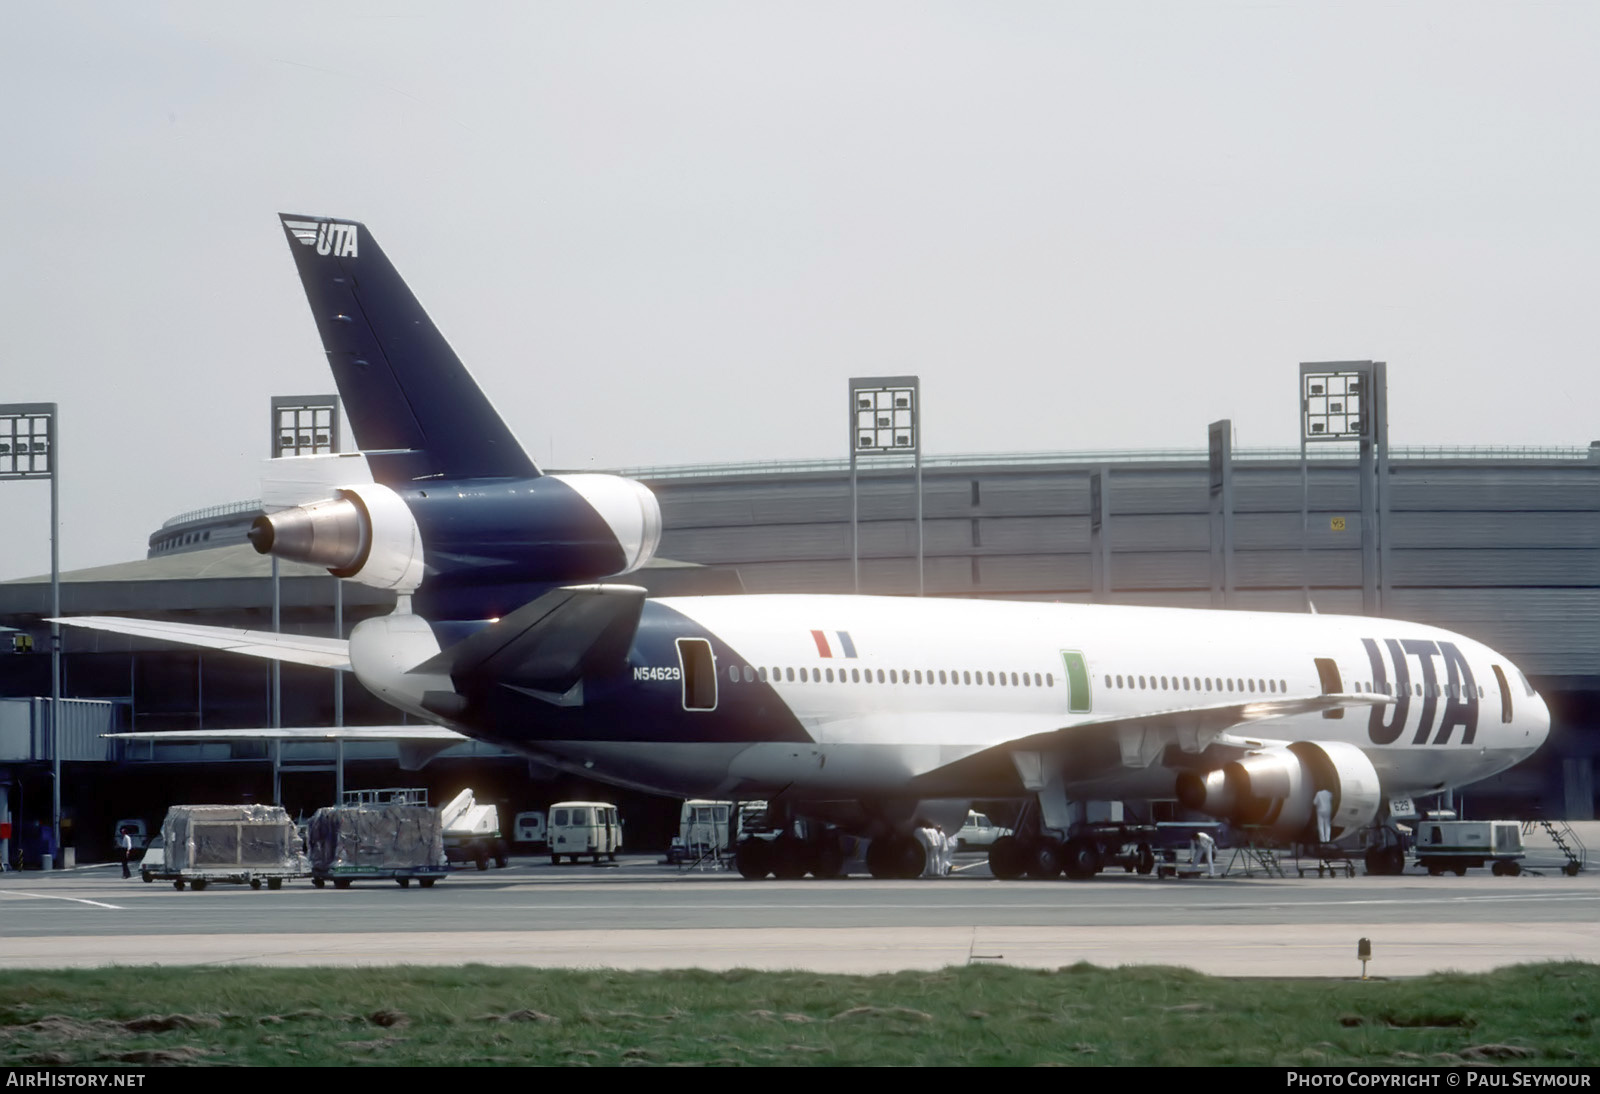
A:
[(928, 836), (1322, 801), (1203, 846)]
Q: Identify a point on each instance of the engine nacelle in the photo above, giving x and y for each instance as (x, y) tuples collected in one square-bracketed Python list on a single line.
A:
[(483, 532), (366, 532), (1274, 788)]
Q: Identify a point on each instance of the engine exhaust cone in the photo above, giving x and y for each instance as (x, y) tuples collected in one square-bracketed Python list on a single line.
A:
[(261, 535)]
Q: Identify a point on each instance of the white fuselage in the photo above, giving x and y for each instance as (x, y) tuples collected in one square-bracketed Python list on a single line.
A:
[(889, 689)]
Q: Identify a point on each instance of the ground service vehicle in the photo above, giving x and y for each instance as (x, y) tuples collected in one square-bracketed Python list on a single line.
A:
[(241, 844), (584, 828), (472, 832), (1460, 845), (387, 835), (529, 828), (154, 861), (702, 831), (979, 831)]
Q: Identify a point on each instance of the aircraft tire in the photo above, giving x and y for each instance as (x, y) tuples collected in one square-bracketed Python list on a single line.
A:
[(751, 859), (898, 857), (880, 863), (1044, 859), (255, 883), (1385, 861), (790, 858), (1006, 860), (1081, 859), (829, 860)]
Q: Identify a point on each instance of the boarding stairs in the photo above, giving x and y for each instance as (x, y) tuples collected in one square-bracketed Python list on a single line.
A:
[(1251, 857), (1566, 841)]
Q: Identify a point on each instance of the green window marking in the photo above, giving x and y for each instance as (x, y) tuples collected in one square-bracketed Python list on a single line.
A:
[(1077, 682)]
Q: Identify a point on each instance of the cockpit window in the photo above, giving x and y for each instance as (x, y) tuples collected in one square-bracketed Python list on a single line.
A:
[(1526, 687), (1505, 693)]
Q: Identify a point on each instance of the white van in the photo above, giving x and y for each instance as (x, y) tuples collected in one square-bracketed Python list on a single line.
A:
[(529, 827), (702, 831), (583, 828)]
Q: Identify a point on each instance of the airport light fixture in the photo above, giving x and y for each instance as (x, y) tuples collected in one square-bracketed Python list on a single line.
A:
[(1348, 401), (28, 450), (885, 420), (305, 425), (1331, 403)]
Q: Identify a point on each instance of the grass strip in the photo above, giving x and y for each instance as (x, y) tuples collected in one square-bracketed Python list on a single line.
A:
[(980, 1015)]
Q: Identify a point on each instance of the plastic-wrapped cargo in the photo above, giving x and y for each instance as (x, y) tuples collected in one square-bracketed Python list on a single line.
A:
[(231, 838), (383, 837)]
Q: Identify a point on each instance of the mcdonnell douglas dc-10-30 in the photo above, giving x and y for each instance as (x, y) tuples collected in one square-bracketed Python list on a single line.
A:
[(849, 715)]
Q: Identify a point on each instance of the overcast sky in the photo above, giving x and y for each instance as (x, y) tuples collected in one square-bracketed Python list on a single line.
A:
[(667, 233)]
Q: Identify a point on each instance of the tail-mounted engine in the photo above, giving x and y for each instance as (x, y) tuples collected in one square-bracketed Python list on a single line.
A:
[(364, 532), (554, 528), (1274, 788)]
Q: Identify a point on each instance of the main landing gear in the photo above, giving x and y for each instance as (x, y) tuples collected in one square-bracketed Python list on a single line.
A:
[(789, 858), (1085, 854)]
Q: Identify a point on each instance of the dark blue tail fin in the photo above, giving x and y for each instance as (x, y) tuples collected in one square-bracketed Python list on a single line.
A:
[(412, 405)]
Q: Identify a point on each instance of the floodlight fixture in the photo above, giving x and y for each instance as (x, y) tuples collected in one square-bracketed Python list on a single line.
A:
[(305, 425), (885, 415), (1332, 406), (27, 440)]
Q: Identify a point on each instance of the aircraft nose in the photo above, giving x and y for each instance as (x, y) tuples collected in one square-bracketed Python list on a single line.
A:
[(1539, 727)]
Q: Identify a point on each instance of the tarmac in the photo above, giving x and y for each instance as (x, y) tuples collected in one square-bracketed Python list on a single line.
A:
[(642, 915)]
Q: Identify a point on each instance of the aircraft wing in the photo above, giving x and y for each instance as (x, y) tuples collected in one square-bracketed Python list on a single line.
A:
[(327, 653), (1139, 740), (298, 733)]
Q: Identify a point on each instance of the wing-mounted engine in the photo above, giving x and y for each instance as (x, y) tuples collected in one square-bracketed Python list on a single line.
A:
[(1274, 788), (549, 529)]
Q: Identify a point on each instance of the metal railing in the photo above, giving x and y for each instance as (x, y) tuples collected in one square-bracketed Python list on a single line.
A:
[(212, 512), (1318, 452)]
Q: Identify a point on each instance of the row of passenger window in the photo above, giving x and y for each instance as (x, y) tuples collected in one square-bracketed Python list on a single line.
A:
[(1196, 683), (1270, 687), (892, 676)]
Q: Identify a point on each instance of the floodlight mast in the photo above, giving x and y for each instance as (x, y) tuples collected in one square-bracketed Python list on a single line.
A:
[(23, 455), (1348, 401), (885, 418), (304, 425)]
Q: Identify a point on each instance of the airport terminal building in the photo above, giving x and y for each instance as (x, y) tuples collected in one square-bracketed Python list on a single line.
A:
[(1499, 544)]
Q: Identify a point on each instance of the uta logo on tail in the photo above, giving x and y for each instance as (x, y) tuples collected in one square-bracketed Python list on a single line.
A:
[(329, 237)]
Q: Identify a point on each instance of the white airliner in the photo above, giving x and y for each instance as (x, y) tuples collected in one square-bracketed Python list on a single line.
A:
[(848, 714)]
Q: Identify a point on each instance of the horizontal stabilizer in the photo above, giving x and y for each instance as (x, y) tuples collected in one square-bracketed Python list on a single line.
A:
[(549, 643), (416, 744), (301, 649)]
